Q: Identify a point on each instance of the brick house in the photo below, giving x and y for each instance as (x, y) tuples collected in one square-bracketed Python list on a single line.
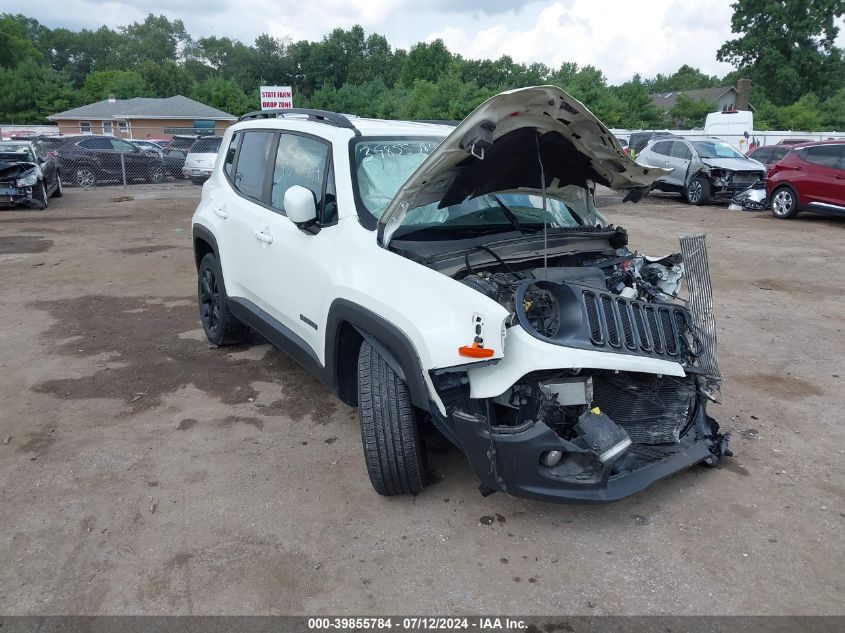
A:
[(143, 117)]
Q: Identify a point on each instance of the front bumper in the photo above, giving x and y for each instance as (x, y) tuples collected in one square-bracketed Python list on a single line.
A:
[(17, 196), (752, 199), (509, 460)]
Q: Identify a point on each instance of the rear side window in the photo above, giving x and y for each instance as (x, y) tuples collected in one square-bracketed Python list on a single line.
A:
[(206, 145), (251, 168), (96, 142), (662, 147), (778, 153), (299, 161), (230, 153), (825, 155), (763, 155)]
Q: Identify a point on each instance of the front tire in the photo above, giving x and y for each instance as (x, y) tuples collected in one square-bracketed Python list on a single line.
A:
[(392, 449), (219, 324), (697, 191), (59, 192), (784, 203)]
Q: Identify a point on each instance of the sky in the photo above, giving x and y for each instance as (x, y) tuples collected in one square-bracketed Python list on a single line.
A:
[(620, 37)]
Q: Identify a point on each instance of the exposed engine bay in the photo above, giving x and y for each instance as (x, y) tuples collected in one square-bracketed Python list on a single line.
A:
[(600, 423)]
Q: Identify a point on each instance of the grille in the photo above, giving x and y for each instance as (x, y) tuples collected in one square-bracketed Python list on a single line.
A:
[(617, 322), (651, 409)]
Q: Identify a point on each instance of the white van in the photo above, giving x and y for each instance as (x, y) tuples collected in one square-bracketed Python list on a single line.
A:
[(732, 126)]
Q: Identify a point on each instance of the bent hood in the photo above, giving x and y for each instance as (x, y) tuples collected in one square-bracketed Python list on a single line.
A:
[(10, 169), (734, 164), (500, 146)]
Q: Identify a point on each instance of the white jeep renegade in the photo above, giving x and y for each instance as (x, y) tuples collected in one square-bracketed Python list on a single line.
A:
[(461, 279)]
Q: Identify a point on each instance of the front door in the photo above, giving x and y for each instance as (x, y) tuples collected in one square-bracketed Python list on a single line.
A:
[(291, 276), (679, 159)]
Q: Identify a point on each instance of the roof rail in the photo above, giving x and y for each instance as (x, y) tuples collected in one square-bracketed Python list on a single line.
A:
[(320, 116)]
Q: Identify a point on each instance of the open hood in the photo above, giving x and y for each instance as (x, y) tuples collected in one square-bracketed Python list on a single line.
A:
[(500, 145)]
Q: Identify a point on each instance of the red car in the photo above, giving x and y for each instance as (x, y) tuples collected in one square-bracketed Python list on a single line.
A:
[(811, 177), (769, 154)]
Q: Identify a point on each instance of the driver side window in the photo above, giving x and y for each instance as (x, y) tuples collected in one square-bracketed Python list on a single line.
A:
[(680, 150), (302, 161)]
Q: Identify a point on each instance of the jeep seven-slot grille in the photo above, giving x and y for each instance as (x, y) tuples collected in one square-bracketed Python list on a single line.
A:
[(620, 323)]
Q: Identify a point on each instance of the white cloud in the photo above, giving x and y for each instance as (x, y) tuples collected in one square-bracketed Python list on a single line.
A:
[(619, 37)]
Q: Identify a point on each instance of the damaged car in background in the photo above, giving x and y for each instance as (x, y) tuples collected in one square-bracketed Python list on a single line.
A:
[(28, 175), (471, 286), (703, 169)]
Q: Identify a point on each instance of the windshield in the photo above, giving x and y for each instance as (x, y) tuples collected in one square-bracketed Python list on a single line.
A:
[(381, 166), (715, 149), (15, 152)]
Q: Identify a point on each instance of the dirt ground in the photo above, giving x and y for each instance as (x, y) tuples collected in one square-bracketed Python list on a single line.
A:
[(142, 472)]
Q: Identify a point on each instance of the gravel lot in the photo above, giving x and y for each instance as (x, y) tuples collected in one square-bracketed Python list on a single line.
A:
[(147, 473)]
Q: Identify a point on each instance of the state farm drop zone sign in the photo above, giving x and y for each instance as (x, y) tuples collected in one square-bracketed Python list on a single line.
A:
[(276, 97)]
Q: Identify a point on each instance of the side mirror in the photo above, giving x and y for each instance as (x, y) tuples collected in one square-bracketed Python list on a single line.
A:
[(300, 206)]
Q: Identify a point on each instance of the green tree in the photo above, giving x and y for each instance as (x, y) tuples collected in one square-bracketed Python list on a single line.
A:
[(833, 112), (689, 113), (804, 114), (225, 95), (787, 45), (123, 84), (425, 61), (166, 79), (18, 34), (685, 78), (157, 39), (639, 109), (32, 91)]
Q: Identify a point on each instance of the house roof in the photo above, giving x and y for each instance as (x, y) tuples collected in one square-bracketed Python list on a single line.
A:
[(177, 107), (667, 100)]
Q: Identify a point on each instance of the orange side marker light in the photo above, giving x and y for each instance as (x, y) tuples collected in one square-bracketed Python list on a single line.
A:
[(475, 351)]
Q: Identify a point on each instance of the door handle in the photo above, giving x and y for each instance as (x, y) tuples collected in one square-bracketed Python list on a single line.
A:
[(262, 236), (221, 213)]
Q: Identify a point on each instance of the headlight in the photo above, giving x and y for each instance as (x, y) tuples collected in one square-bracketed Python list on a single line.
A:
[(29, 180)]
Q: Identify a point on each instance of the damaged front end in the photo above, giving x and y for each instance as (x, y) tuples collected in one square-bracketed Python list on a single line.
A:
[(19, 185), (725, 183), (752, 199), (630, 409)]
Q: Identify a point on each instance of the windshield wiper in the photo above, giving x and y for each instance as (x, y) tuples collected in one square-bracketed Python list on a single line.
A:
[(508, 214)]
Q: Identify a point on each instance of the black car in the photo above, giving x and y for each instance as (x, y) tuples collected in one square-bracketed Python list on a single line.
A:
[(88, 159), (28, 174), (175, 153)]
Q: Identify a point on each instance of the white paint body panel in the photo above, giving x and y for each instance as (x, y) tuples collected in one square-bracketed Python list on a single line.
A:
[(525, 353), (297, 273)]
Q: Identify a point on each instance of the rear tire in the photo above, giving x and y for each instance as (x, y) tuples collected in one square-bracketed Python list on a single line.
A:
[(85, 177), (784, 203), (697, 191), (392, 449), (221, 327)]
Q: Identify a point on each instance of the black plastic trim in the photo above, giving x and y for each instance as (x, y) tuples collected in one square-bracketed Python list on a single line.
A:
[(319, 116), (391, 338), (202, 233), (277, 333)]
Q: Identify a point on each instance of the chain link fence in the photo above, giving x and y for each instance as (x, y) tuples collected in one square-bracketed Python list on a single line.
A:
[(87, 161)]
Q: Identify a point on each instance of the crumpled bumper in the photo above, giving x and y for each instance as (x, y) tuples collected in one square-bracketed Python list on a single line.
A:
[(510, 460), (19, 196), (752, 199)]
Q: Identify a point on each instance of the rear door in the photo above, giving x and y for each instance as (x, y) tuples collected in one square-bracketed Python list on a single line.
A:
[(240, 210)]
